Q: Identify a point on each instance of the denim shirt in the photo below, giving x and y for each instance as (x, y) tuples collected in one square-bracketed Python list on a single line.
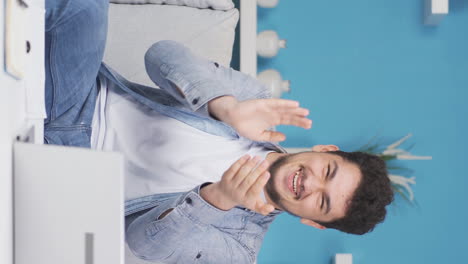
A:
[(194, 231)]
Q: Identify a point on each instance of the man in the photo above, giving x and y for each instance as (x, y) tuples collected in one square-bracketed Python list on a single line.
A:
[(203, 181)]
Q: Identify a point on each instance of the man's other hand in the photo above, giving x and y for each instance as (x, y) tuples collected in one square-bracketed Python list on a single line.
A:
[(241, 184), (253, 118)]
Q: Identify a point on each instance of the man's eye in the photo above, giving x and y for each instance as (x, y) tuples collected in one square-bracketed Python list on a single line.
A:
[(321, 203), (328, 169)]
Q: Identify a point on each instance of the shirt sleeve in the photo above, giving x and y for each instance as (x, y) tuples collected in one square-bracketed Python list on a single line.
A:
[(186, 234), (193, 80)]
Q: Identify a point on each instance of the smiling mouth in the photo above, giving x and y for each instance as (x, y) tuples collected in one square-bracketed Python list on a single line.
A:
[(294, 182)]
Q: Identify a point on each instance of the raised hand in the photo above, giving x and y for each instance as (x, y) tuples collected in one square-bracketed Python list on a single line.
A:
[(253, 118), (241, 184)]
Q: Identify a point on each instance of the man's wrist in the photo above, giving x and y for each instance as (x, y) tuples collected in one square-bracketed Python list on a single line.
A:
[(221, 107), (212, 195)]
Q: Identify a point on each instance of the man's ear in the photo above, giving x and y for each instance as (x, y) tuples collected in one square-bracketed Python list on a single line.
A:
[(312, 223), (325, 148)]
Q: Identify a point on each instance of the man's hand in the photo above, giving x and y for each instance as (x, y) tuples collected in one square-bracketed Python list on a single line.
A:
[(241, 184), (253, 118)]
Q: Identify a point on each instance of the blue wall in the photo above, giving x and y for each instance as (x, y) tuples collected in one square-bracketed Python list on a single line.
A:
[(366, 68)]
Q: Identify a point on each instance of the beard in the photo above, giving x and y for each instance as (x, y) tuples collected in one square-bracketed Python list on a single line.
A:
[(270, 185)]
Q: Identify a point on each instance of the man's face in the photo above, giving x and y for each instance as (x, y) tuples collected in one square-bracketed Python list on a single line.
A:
[(313, 185)]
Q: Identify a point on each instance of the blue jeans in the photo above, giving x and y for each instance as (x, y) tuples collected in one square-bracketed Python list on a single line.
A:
[(75, 36)]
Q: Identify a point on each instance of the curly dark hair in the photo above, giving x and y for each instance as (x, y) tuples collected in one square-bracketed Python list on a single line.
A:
[(367, 206)]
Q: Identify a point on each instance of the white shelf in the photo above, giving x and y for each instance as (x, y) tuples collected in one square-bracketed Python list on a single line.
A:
[(248, 37)]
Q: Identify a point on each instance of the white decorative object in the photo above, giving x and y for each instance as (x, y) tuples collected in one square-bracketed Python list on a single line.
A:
[(435, 11), (401, 154), (269, 43), (15, 38), (273, 80), (404, 182), (343, 259), (400, 184), (267, 3)]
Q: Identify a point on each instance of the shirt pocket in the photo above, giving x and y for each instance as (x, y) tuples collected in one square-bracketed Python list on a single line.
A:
[(158, 225)]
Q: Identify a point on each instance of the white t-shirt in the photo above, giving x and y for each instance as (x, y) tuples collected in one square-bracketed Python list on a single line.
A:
[(162, 154)]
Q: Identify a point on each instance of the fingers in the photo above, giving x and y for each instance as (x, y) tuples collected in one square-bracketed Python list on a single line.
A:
[(257, 187), (295, 117), (274, 136), (247, 178), (244, 171), (260, 206), (282, 103), (253, 185), (296, 121), (296, 111), (253, 177), (264, 208), (288, 112), (234, 169)]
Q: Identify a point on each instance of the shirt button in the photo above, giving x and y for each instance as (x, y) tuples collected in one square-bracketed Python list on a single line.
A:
[(188, 200), (216, 64), (195, 101), (198, 256)]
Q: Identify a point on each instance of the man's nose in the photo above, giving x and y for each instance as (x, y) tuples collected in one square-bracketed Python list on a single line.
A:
[(316, 184)]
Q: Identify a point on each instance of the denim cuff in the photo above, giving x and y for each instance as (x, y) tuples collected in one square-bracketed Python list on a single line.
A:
[(197, 91)]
